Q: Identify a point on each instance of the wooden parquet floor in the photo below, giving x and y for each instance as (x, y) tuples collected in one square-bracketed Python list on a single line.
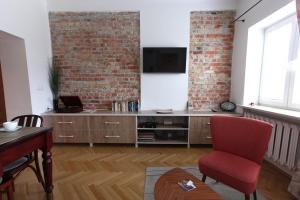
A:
[(118, 172)]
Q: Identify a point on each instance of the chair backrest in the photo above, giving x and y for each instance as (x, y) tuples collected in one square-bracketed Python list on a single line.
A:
[(29, 120), (241, 136)]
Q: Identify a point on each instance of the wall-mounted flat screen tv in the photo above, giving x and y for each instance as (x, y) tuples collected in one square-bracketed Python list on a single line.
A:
[(164, 59)]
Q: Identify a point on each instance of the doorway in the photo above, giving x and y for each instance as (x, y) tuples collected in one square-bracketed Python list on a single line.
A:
[(2, 100), (15, 79)]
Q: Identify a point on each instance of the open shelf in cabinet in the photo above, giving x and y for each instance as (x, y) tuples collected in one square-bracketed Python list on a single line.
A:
[(163, 142), (162, 130)]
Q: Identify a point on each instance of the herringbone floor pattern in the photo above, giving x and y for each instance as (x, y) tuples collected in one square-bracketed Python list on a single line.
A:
[(118, 172)]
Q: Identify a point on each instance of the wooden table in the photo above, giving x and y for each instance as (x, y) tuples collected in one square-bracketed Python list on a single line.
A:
[(14, 145), (167, 188)]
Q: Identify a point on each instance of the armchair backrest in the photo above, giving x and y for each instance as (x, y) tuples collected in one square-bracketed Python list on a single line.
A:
[(241, 136)]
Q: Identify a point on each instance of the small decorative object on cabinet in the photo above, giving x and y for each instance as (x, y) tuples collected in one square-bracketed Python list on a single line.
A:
[(227, 106), (189, 106)]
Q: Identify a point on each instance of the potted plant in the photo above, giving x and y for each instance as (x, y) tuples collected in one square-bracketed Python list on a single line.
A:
[(54, 84)]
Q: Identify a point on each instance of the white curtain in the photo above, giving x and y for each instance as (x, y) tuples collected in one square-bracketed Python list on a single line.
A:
[(294, 186), (298, 10)]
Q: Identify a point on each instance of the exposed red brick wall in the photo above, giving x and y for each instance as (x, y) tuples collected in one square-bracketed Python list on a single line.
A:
[(211, 38), (98, 54)]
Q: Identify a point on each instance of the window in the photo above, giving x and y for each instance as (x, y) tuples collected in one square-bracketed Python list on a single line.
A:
[(280, 74)]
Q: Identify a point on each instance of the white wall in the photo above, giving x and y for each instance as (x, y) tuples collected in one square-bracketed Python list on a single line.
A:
[(263, 10), (165, 27), (14, 76), (29, 21), (163, 23)]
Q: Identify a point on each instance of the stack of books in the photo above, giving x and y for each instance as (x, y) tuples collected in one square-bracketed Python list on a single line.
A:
[(146, 137)]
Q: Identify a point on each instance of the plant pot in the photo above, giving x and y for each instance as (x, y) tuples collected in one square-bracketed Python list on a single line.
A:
[(55, 105)]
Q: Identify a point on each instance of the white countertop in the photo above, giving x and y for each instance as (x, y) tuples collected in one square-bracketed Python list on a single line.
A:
[(140, 113)]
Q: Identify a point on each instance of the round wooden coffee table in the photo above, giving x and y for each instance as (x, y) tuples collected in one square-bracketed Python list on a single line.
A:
[(167, 188)]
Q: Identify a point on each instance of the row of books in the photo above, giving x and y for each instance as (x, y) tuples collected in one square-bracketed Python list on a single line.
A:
[(125, 106)]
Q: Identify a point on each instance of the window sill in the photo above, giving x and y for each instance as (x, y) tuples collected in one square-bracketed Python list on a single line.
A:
[(275, 112)]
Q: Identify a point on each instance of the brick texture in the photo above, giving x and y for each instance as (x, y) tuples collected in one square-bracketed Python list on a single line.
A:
[(98, 55), (211, 38)]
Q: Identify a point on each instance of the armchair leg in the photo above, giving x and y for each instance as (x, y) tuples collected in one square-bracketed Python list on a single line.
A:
[(254, 195), (203, 178), (247, 197)]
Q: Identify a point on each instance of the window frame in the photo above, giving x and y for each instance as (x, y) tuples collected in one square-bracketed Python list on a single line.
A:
[(290, 74)]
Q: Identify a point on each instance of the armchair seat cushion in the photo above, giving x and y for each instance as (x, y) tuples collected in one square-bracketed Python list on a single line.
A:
[(235, 171)]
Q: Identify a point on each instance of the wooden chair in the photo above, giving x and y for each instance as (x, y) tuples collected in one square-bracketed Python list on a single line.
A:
[(29, 120), (12, 170)]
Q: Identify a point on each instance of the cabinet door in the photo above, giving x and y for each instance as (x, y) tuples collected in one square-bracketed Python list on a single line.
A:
[(69, 129), (116, 129), (199, 131), (48, 121)]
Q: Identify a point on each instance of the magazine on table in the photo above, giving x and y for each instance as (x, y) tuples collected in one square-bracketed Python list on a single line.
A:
[(187, 185)]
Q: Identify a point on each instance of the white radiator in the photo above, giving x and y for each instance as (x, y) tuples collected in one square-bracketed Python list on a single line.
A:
[(283, 143)]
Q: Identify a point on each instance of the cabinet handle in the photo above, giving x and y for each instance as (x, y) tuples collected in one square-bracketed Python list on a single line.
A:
[(65, 122), (115, 123), (66, 136), (208, 137), (112, 136)]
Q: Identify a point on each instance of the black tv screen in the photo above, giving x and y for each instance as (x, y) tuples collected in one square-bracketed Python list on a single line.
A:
[(164, 60)]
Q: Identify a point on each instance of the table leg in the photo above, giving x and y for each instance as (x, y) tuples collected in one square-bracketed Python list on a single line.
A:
[(47, 164), (47, 168)]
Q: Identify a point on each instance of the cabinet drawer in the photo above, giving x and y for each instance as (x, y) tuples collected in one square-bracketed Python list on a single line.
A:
[(97, 123), (110, 137), (70, 123), (71, 137), (68, 129), (121, 129)]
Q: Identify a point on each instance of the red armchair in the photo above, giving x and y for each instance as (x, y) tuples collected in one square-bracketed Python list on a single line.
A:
[(239, 145)]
